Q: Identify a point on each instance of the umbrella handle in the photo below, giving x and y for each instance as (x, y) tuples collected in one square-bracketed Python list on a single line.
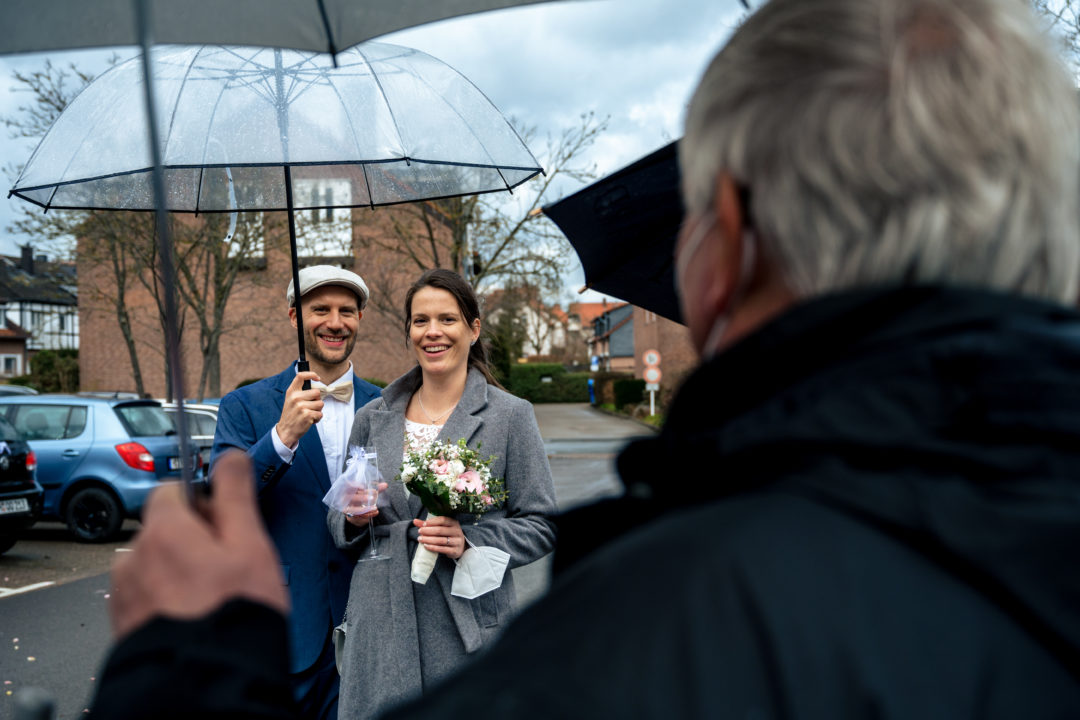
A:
[(303, 366)]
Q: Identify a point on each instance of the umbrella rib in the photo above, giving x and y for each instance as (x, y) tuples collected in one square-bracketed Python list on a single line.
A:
[(367, 183), (386, 101), (176, 106)]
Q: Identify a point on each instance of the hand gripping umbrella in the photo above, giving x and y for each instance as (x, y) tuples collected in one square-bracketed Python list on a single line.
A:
[(239, 126)]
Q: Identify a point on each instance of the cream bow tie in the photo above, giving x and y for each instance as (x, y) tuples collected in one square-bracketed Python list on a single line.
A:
[(341, 392)]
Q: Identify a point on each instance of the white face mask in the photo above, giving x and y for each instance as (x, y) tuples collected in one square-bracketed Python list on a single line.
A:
[(704, 226), (479, 570)]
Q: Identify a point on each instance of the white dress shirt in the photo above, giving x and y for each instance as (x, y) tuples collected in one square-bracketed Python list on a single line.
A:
[(333, 428)]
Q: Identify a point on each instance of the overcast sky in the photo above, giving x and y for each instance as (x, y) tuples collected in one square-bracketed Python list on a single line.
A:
[(634, 61)]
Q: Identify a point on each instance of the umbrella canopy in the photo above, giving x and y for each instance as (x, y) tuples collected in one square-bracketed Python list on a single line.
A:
[(319, 25), (624, 228), (397, 124)]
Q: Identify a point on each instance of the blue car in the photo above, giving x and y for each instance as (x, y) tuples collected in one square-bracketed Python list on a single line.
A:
[(97, 457)]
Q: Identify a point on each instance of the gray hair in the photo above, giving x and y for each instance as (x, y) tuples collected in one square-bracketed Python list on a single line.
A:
[(894, 142)]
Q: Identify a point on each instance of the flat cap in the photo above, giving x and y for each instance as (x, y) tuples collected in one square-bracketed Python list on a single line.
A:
[(319, 275)]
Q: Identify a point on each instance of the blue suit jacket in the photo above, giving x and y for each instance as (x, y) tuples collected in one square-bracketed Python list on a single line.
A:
[(290, 498)]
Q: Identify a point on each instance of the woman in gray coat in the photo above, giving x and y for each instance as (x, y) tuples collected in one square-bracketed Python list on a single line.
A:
[(404, 636)]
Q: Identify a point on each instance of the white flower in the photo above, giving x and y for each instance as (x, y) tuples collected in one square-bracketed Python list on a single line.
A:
[(408, 471), (456, 467)]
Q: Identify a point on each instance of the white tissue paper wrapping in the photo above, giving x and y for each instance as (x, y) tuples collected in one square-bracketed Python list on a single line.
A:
[(360, 470)]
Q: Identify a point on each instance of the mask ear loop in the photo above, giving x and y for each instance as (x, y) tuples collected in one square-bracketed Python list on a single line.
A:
[(746, 268)]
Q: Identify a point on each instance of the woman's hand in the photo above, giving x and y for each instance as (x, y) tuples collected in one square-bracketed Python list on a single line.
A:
[(361, 499), (442, 535)]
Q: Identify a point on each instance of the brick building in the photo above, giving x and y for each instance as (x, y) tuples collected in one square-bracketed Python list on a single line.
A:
[(260, 340), (672, 341)]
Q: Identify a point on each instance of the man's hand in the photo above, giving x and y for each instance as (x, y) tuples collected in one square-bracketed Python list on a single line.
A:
[(302, 409), (186, 563)]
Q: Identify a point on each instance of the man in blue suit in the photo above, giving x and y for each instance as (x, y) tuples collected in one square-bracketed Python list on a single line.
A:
[(271, 420)]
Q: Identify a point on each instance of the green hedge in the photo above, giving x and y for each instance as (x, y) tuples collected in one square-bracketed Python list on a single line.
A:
[(628, 391), (526, 381), (605, 385)]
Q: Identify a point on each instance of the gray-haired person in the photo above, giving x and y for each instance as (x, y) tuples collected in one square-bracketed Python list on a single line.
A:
[(864, 502)]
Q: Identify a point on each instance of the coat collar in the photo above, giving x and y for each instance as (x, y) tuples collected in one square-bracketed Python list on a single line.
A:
[(388, 426)]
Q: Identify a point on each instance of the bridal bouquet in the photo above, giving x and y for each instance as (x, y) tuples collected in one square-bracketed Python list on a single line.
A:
[(449, 478)]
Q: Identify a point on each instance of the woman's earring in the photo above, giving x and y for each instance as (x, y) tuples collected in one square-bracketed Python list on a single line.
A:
[(472, 343)]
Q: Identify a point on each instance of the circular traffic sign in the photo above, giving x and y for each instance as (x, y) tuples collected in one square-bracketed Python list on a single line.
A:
[(651, 357), (652, 374)]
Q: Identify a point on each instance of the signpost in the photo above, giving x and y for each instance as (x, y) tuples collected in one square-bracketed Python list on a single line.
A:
[(652, 376)]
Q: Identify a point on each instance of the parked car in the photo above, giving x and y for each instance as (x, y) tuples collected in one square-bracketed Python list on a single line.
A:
[(17, 390), (20, 493), (202, 422), (98, 457)]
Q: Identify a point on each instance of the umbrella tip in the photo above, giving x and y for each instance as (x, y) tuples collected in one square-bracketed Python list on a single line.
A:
[(536, 211), (583, 288)]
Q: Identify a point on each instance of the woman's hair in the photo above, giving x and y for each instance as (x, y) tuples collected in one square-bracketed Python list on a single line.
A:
[(896, 142), (467, 303)]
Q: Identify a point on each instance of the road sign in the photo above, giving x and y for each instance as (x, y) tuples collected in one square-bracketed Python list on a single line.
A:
[(652, 387), (652, 374), (651, 358)]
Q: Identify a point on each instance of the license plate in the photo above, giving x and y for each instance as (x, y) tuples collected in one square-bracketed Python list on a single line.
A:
[(174, 463), (14, 506)]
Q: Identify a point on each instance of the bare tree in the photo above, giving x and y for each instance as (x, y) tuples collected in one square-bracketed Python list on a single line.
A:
[(492, 240)]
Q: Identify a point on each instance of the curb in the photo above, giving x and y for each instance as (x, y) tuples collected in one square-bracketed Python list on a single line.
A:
[(613, 413)]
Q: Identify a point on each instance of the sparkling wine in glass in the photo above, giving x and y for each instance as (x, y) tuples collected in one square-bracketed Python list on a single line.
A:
[(366, 497)]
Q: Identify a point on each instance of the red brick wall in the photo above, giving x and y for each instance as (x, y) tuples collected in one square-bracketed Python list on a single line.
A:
[(672, 340), (261, 341)]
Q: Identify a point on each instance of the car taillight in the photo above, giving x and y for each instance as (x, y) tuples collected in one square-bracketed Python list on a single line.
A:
[(31, 461), (136, 456)]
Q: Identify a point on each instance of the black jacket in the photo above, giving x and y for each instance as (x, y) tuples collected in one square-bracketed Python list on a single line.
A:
[(869, 508)]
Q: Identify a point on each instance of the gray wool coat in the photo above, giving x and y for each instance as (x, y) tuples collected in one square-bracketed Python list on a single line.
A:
[(404, 637)]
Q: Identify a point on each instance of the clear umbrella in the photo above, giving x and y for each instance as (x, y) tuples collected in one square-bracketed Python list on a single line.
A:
[(238, 127), (396, 123)]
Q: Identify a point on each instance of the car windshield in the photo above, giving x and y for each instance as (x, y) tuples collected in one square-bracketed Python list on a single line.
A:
[(145, 420), (8, 433)]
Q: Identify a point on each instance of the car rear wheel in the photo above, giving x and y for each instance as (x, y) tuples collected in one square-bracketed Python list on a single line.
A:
[(93, 515), (7, 542)]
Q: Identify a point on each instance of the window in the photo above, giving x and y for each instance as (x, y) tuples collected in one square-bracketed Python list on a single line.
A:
[(145, 420), (325, 231), (12, 364), (50, 422)]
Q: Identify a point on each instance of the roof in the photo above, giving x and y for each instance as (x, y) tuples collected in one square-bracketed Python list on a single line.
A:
[(13, 331), (590, 311), (17, 285)]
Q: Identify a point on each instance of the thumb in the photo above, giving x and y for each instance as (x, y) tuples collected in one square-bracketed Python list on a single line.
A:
[(232, 504)]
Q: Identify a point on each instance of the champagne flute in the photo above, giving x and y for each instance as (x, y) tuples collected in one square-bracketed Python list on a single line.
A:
[(366, 498)]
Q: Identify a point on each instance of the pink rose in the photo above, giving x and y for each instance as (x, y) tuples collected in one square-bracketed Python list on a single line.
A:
[(460, 486), (472, 480), (439, 466), (486, 499)]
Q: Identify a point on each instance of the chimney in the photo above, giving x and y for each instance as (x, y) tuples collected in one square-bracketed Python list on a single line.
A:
[(26, 262)]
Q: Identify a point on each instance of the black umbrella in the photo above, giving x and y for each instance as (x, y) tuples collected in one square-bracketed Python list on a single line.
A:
[(624, 227)]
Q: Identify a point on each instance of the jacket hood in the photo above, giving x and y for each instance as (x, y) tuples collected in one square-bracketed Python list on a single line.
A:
[(947, 418)]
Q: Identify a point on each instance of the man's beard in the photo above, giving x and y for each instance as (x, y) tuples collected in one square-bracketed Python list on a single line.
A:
[(316, 351)]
